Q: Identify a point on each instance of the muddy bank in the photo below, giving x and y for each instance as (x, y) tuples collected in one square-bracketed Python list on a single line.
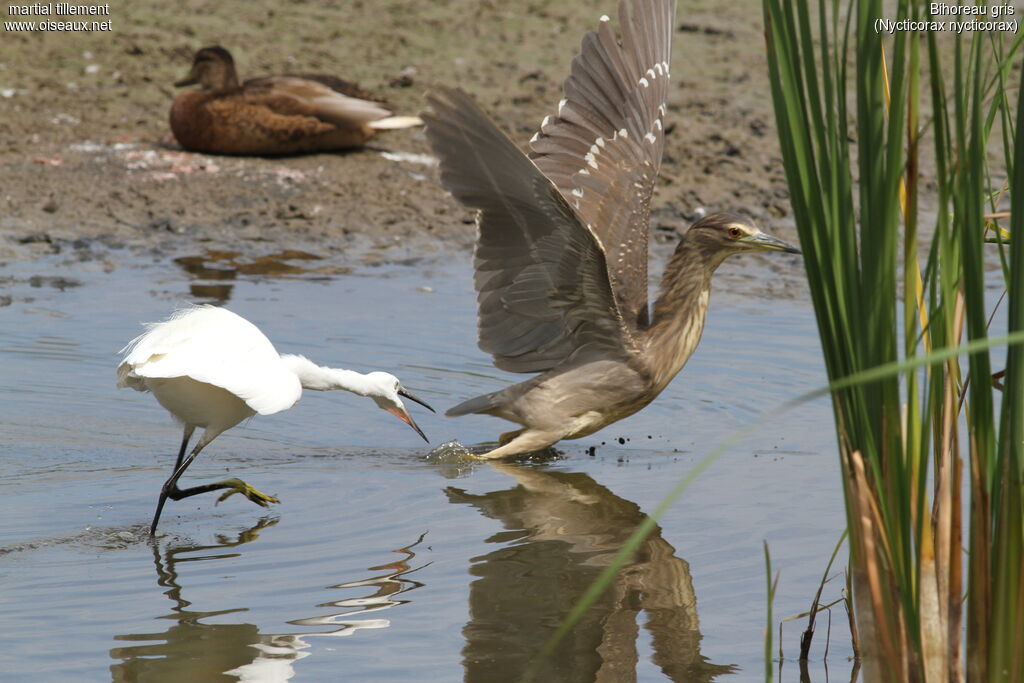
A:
[(88, 167)]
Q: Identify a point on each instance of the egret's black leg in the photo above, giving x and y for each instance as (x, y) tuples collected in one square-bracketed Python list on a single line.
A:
[(177, 466), (170, 488), (234, 485)]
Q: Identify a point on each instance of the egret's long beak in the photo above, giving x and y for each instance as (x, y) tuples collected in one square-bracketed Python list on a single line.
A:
[(403, 415), (764, 242), (409, 395)]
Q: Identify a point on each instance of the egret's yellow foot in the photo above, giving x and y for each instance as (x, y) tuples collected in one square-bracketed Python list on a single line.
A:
[(234, 485)]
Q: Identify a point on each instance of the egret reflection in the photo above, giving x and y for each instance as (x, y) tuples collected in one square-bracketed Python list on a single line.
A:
[(192, 650), (563, 529)]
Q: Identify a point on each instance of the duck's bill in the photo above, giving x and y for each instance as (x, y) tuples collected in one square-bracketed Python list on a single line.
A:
[(409, 395), (766, 242), (405, 417), (187, 80)]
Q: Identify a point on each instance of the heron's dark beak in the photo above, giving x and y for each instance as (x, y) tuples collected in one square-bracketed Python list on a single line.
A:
[(765, 242), (411, 397), (403, 415), (191, 79)]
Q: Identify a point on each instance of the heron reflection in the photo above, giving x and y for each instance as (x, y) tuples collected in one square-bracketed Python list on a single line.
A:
[(191, 649), (563, 529)]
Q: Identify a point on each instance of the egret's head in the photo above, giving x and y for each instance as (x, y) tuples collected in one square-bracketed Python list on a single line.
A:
[(386, 391), (723, 234), (212, 68)]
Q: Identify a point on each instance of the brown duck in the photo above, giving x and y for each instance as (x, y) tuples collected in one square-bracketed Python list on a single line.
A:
[(286, 114)]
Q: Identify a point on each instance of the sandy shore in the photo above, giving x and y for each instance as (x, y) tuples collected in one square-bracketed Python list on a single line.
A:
[(88, 167)]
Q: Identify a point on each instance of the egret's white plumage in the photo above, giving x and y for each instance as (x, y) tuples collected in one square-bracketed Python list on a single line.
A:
[(212, 368), (214, 346)]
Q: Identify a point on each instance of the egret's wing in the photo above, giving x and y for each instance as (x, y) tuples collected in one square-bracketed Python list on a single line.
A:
[(215, 346), (603, 149), (541, 277)]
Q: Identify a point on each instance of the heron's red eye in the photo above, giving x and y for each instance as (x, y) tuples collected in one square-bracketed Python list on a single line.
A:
[(735, 233)]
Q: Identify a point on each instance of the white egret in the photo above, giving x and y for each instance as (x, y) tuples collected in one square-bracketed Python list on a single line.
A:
[(212, 368)]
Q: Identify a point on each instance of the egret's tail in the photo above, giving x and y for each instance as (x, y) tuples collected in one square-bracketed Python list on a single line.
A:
[(393, 122), (480, 404), (126, 377)]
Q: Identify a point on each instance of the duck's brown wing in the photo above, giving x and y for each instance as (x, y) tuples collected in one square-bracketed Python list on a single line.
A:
[(603, 148), (250, 123), (339, 85), (541, 277), (312, 98)]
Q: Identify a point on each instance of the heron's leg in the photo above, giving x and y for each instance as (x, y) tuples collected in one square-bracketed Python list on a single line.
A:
[(174, 477), (508, 436), (523, 441)]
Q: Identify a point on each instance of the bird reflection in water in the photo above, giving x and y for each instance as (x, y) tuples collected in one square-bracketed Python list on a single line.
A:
[(213, 274), (191, 650), (563, 530)]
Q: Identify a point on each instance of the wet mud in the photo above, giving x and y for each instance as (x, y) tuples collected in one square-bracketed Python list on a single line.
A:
[(88, 168)]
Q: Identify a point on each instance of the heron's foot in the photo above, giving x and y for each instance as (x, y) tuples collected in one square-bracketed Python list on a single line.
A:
[(487, 457), (523, 442), (234, 485), (495, 455)]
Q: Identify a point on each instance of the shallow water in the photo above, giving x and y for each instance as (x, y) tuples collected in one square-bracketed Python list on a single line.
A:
[(382, 564)]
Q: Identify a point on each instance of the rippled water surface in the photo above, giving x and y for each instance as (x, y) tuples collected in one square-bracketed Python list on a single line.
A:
[(380, 563)]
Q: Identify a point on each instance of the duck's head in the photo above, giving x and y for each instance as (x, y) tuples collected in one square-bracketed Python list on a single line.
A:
[(213, 69)]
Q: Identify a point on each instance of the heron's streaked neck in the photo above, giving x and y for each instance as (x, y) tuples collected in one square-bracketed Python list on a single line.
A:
[(321, 378), (679, 311)]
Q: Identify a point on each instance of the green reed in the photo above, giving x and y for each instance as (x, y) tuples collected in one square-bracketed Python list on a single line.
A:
[(856, 144), (904, 328)]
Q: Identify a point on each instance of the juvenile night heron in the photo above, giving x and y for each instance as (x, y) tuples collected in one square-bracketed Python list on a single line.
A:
[(212, 368), (561, 255)]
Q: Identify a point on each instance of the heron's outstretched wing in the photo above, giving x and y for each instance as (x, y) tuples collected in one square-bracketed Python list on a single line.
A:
[(603, 149), (541, 277)]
